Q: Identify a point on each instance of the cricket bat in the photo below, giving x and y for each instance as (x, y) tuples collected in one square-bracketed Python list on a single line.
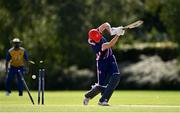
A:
[(134, 25)]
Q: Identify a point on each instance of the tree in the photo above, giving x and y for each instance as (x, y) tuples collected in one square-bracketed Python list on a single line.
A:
[(170, 17)]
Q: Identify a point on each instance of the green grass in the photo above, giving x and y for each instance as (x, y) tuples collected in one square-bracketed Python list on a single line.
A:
[(71, 101)]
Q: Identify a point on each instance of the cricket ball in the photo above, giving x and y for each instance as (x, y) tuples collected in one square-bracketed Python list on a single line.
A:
[(33, 76)]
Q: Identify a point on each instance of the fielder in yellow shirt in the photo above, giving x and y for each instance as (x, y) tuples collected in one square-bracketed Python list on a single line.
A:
[(15, 60)]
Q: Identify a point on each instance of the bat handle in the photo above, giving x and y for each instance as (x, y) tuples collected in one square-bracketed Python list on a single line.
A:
[(124, 28)]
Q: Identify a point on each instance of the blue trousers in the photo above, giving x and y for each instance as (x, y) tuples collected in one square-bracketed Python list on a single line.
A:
[(105, 69), (13, 71), (108, 79)]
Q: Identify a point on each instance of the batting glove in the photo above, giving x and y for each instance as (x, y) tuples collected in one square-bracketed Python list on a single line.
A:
[(120, 31), (113, 31)]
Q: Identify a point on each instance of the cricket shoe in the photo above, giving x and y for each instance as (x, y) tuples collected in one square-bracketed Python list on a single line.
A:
[(8, 93), (103, 103), (20, 94), (86, 101)]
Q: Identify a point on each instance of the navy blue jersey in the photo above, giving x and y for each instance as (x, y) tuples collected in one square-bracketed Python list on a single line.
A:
[(97, 47)]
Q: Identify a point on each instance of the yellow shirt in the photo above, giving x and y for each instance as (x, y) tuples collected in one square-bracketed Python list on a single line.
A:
[(16, 57)]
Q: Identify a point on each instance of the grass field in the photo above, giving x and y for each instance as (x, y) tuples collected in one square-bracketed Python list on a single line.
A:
[(71, 101)]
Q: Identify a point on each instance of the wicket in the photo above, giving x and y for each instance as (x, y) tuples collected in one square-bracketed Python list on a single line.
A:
[(25, 85), (41, 83)]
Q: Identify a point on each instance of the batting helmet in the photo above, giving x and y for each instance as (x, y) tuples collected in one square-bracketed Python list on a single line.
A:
[(95, 35)]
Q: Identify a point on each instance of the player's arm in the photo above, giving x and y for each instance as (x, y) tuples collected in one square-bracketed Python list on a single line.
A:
[(105, 26), (6, 65), (26, 64), (114, 40), (8, 57), (111, 30), (25, 56), (111, 43)]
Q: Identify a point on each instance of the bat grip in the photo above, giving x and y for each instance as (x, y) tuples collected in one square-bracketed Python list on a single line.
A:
[(124, 28)]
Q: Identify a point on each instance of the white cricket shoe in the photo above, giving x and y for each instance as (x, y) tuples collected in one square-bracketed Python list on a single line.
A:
[(86, 101), (103, 103), (7, 93)]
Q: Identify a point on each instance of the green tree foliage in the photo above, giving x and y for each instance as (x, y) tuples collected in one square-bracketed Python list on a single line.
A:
[(56, 30), (170, 17)]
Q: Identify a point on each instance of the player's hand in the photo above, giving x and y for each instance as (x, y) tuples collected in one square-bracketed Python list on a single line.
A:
[(120, 31)]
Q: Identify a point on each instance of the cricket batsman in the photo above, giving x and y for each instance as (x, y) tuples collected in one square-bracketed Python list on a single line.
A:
[(107, 69), (15, 60)]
